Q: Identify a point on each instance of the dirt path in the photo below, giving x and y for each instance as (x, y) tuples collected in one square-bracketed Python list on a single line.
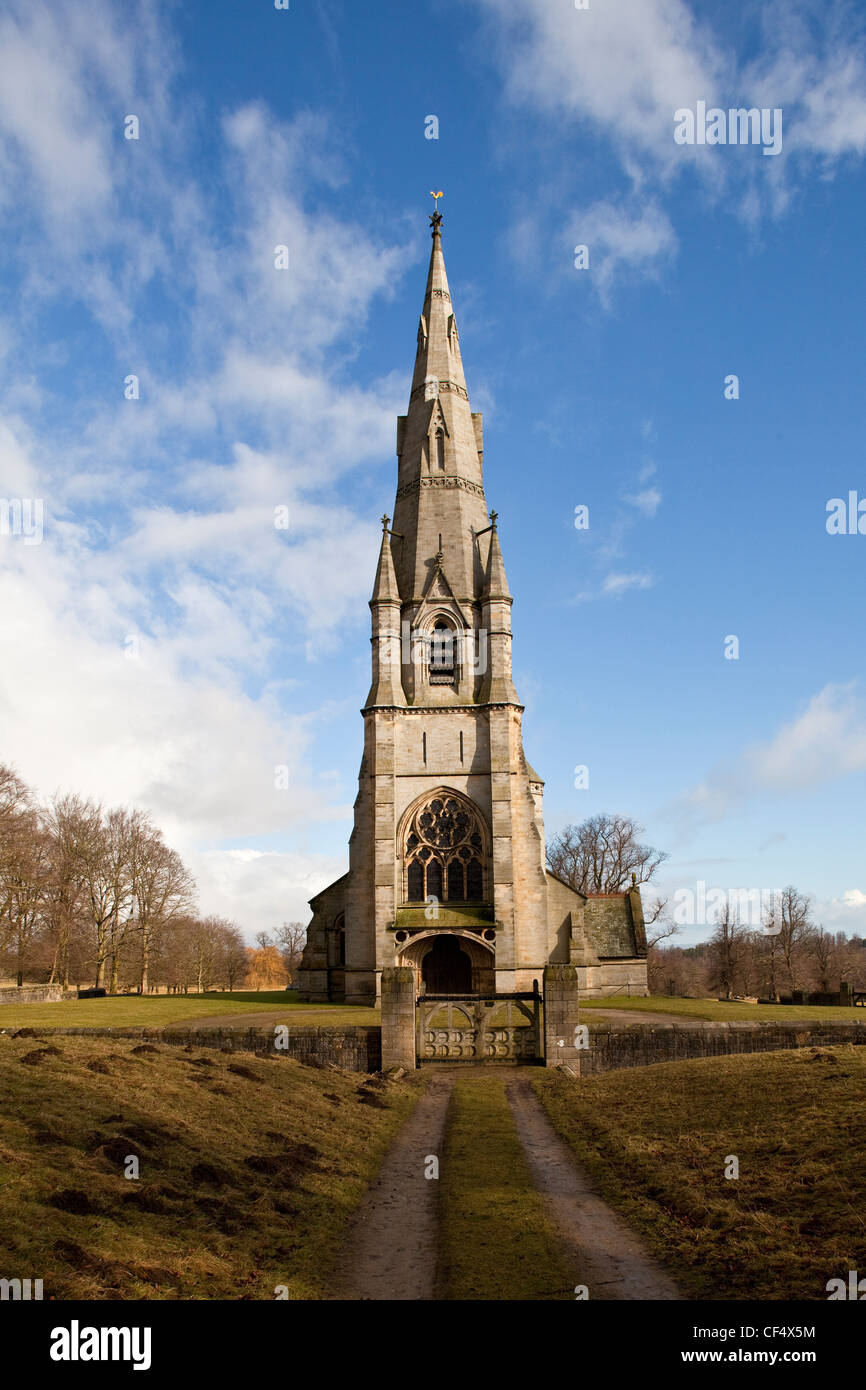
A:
[(608, 1257), (392, 1249)]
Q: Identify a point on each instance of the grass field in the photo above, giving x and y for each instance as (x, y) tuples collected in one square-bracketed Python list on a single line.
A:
[(249, 1168), (716, 1012), (656, 1141), (496, 1242), (160, 1010)]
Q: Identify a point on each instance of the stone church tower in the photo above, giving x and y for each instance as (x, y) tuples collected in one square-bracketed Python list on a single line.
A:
[(447, 857)]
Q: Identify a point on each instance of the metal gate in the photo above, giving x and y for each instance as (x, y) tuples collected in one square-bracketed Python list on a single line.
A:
[(461, 1028)]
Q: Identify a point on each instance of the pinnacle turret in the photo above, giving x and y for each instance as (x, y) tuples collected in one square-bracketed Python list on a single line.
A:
[(387, 687), (495, 582), (385, 588)]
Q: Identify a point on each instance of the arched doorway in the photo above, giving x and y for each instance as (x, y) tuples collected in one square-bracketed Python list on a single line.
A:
[(447, 969)]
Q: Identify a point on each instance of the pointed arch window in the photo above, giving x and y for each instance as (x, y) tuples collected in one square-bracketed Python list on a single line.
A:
[(440, 448), (337, 942), (443, 852)]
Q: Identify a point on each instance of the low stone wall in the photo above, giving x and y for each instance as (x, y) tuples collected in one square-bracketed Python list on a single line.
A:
[(32, 994), (356, 1048), (613, 1046)]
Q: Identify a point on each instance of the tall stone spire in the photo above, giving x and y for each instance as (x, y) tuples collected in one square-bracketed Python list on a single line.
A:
[(440, 492)]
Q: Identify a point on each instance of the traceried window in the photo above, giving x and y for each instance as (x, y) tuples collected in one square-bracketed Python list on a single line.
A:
[(443, 853)]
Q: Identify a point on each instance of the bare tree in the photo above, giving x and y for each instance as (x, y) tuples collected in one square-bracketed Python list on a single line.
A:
[(795, 929), (290, 939), (104, 865), (604, 854), (725, 954), (164, 890), (27, 887), (64, 819), (664, 927), (232, 956), (17, 813), (824, 951)]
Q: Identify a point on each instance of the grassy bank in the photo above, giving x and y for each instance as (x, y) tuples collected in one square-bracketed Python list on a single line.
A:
[(249, 1168), (656, 1141), (714, 1011), (162, 1010), (496, 1243)]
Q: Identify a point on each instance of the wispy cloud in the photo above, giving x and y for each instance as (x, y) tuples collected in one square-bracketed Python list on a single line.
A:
[(824, 743), (648, 501), (619, 71), (618, 584)]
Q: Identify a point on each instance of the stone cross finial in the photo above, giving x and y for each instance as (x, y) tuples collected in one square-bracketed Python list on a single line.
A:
[(386, 521), (494, 517)]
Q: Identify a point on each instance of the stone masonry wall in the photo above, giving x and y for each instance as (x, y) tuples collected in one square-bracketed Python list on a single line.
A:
[(614, 1046), (357, 1048), (32, 994)]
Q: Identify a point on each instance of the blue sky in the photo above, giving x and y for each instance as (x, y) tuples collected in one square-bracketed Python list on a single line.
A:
[(165, 645)]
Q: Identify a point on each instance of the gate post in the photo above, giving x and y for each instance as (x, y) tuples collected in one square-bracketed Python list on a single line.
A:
[(560, 1017), (398, 1017)]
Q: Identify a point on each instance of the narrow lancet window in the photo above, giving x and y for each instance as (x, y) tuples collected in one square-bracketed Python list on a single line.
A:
[(440, 449)]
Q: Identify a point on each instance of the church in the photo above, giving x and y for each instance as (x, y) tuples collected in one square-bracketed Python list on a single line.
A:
[(447, 866)]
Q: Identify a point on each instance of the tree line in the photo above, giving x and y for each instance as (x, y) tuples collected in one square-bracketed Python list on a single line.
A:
[(789, 952), (93, 894)]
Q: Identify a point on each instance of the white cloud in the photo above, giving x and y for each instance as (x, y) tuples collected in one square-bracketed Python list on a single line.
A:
[(625, 66), (620, 70), (274, 887), (648, 501), (160, 536), (619, 239), (827, 741), (620, 583)]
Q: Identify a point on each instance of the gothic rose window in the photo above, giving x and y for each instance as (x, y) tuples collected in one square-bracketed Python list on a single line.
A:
[(444, 852)]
